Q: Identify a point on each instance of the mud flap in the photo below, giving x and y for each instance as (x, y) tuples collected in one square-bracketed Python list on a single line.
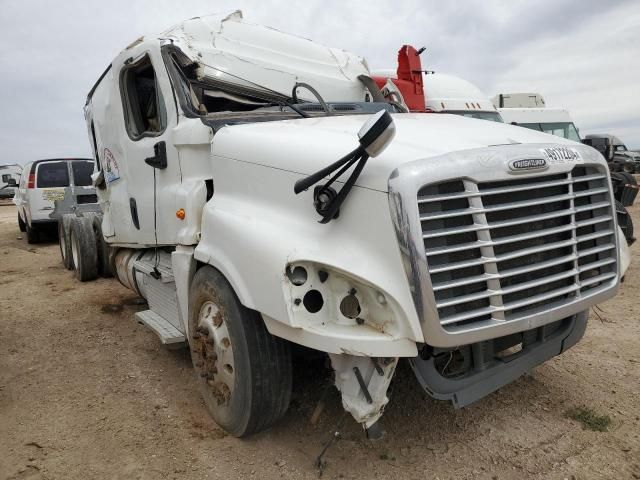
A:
[(488, 369)]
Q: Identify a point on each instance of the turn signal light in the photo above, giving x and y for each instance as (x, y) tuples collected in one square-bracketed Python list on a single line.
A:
[(181, 214), (32, 181)]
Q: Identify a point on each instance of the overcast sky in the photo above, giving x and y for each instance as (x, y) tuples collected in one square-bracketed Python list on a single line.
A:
[(581, 55)]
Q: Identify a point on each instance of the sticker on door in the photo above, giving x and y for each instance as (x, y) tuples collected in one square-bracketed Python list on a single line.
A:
[(111, 168)]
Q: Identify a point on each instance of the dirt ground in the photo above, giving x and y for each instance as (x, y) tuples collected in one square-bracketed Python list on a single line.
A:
[(86, 392)]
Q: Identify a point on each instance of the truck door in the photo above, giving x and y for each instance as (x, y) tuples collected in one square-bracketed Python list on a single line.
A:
[(152, 167)]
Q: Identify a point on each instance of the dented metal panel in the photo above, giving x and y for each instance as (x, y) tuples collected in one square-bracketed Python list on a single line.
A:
[(229, 49)]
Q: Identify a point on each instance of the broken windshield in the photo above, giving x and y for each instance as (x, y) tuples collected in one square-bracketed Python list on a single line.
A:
[(211, 92)]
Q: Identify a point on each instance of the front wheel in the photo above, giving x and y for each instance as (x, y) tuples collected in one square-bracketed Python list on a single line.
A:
[(243, 371)]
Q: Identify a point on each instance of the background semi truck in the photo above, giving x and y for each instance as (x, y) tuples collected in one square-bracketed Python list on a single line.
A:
[(240, 200), (431, 91)]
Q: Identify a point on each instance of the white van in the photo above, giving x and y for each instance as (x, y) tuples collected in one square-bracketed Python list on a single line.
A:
[(42, 183)]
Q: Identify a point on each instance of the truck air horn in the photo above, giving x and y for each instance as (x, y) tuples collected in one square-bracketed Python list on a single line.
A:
[(374, 136)]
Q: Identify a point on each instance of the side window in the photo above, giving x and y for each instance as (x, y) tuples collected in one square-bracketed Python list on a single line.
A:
[(52, 175), (82, 171), (144, 110), (6, 177)]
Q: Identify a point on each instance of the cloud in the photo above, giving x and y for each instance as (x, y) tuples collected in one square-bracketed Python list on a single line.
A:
[(591, 70), (578, 55)]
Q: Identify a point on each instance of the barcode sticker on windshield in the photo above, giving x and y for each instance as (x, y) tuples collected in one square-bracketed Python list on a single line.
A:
[(558, 155)]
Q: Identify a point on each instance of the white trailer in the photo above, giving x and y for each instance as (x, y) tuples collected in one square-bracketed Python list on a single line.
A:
[(239, 200), (9, 179)]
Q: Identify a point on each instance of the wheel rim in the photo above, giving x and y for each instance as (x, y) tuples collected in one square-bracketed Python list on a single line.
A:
[(213, 358), (74, 249)]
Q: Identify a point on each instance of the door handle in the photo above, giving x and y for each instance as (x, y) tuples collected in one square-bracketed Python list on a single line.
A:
[(159, 159)]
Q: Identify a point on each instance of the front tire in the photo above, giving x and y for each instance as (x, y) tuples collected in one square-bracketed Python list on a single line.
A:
[(243, 371)]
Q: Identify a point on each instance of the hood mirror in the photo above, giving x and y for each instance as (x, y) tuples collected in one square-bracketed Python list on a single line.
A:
[(374, 137)]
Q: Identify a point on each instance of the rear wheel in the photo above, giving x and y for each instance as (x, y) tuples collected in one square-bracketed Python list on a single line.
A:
[(83, 249), (33, 234), (102, 248), (64, 226), (244, 372), (21, 224)]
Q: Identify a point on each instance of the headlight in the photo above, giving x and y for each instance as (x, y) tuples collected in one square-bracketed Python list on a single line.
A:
[(318, 294)]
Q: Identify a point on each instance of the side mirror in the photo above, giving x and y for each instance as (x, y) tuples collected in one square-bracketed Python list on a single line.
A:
[(377, 133)]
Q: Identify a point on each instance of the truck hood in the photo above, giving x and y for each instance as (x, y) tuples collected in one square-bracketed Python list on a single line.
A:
[(306, 145)]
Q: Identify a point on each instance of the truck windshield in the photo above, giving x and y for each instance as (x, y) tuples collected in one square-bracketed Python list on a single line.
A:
[(492, 116), (559, 129)]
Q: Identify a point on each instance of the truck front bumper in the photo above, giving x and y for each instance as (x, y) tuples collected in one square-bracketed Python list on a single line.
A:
[(467, 374)]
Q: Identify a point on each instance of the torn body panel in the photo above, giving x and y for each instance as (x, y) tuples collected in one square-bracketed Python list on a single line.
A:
[(363, 383), (227, 53)]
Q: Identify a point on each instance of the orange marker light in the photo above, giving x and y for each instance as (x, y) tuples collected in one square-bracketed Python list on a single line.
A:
[(181, 214)]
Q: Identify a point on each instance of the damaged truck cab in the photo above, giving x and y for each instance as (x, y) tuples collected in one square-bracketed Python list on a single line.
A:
[(239, 199)]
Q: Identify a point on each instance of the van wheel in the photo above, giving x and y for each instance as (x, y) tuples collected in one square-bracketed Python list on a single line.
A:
[(64, 241), (102, 248), (21, 224), (33, 234), (83, 249), (243, 371)]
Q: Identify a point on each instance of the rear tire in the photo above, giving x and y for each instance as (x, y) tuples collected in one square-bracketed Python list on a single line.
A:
[(64, 240), (33, 234), (21, 225), (102, 248), (243, 371), (83, 249)]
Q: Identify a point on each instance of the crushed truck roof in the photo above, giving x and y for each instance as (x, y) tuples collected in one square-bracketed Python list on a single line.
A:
[(227, 50)]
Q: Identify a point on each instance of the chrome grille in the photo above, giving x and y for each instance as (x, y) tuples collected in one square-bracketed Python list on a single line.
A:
[(500, 251)]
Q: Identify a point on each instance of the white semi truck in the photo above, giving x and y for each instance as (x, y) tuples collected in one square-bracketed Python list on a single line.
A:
[(529, 110), (239, 199)]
